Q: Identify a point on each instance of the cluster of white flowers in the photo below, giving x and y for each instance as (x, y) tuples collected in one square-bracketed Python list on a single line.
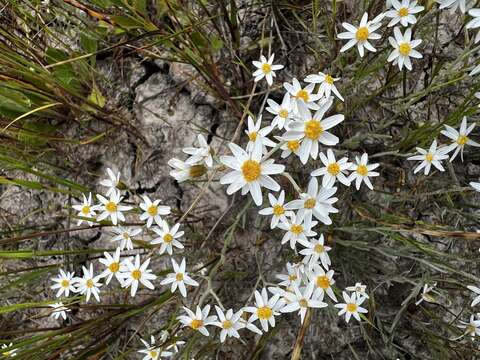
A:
[(305, 126), (130, 271), (434, 156), (252, 168)]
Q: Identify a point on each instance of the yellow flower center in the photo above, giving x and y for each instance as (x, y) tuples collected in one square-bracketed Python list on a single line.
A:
[(152, 210), (404, 49), (362, 33), (227, 324), (462, 140), (351, 307), (153, 354), (323, 282), (89, 283), (403, 11), (293, 145), (136, 274), (196, 171), (251, 170), (296, 229), (429, 157), (329, 79), (114, 267), (318, 249), (179, 277), (302, 94), (86, 210), (252, 136), (168, 238), (278, 210), (266, 68), (292, 277), (283, 113), (303, 303), (333, 169), (264, 313), (65, 283), (310, 203), (111, 207), (126, 235), (313, 129), (362, 170), (196, 324)]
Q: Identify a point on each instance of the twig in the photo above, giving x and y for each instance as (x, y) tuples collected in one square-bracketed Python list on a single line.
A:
[(297, 349)]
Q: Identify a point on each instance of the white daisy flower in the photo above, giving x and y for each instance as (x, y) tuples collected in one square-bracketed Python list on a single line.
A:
[(360, 35), (453, 5), (301, 95), (257, 135), (460, 138), (426, 294), (403, 12), (10, 353), (250, 172), (475, 22), (202, 154), (136, 273), (229, 322), (293, 276), (199, 320), (183, 171), (89, 284), (111, 183), (431, 157), (472, 328), (265, 309), (351, 307), (111, 208), (316, 250), (265, 69), (301, 300), (403, 48), (168, 238), (326, 82), (179, 278), (323, 282), (297, 228), (289, 146), (476, 290), (59, 310), (113, 266), (153, 211), (125, 236), (362, 171), (313, 130), (151, 351), (65, 282), (315, 202), (333, 170), (282, 112), (85, 210), (359, 289), (276, 209)]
